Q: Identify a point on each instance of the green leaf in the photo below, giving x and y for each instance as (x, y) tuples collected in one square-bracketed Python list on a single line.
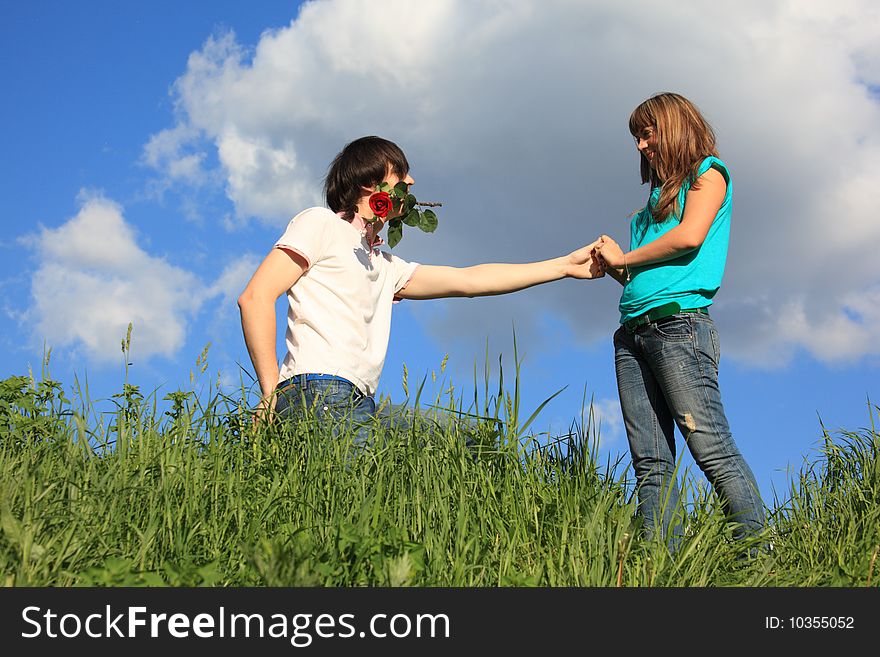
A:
[(401, 189), (410, 202), (383, 187), (412, 218), (428, 222), (10, 524), (521, 429), (395, 233), (152, 579)]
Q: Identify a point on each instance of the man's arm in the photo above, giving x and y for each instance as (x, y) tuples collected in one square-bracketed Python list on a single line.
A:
[(435, 282), (275, 275)]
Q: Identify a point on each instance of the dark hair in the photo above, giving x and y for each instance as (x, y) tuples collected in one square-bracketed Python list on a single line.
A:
[(361, 163)]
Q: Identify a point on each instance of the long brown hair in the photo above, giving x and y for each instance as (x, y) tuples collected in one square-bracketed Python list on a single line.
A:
[(684, 140)]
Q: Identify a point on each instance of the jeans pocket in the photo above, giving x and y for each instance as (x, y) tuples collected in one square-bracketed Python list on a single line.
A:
[(668, 333), (673, 329), (288, 401), (334, 397)]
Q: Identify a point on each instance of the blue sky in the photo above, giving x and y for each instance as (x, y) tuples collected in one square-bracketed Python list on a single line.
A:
[(153, 152)]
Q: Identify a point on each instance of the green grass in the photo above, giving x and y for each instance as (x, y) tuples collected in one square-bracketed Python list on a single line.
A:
[(193, 495)]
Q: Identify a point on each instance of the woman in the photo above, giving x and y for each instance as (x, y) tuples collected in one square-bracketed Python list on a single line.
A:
[(667, 349)]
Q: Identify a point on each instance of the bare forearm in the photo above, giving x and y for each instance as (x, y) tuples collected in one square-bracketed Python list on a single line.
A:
[(437, 282), (675, 243), (618, 275), (258, 326), (497, 278), (702, 207)]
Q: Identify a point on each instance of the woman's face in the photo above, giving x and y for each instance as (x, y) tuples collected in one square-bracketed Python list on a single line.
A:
[(646, 142)]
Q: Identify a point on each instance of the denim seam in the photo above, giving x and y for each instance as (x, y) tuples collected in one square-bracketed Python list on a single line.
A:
[(730, 443), (703, 391), (653, 400)]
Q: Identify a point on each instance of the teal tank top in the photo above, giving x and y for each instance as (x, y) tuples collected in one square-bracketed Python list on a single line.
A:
[(691, 280)]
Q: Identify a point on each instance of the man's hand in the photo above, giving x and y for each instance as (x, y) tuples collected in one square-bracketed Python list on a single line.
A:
[(585, 262), (264, 414)]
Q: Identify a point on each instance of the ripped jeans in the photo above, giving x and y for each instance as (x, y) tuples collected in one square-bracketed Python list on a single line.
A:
[(667, 375)]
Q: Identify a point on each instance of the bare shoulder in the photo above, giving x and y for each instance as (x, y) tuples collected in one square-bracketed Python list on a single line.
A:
[(711, 183), (712, 176)]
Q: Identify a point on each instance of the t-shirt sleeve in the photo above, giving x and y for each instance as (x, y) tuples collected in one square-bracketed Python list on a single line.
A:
[(714, 163), (307, 235), (402, 271)]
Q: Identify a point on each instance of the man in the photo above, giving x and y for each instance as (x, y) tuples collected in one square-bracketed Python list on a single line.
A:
[(341, 288)]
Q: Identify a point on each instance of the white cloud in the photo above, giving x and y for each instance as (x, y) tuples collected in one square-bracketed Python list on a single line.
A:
[(599, 424), (166, 150), (841, 333), (262, 180), (93, 278), (233, 279), (513, 114), (608, 420)]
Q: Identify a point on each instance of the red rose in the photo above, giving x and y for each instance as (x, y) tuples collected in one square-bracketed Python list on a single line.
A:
[(380, 204)]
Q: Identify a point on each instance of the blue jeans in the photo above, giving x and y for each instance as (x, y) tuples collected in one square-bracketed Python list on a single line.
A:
[(336, 400), (341, 403), (667, 375)]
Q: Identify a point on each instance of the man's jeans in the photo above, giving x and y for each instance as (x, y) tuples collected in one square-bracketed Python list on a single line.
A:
[(334, 400), (342, 404), (667, 375)]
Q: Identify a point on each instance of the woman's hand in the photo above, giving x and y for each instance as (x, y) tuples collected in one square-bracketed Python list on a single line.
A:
[(610, 252)]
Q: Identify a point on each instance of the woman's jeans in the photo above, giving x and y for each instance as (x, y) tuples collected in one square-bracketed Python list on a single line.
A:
[(667, 375)]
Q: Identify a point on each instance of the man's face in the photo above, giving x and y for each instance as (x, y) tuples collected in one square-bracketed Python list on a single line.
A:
[(392, 179)]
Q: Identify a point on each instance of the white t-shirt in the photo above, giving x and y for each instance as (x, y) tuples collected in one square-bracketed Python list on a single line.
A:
[(339, 316)]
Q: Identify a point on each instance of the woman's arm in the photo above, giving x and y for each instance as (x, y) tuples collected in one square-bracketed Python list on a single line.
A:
[(701, 206), (618, 275)]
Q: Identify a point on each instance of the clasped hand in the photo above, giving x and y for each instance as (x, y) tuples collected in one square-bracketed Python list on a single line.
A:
[(609, 253), (592, 260), (585, 262)]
